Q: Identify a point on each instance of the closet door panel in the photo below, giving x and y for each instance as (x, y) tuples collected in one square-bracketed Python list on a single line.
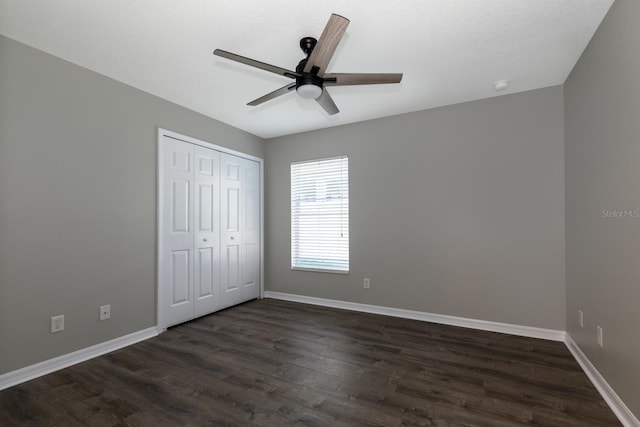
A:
[(250, 227), (230, 235), (176, 257), (204, 274), (206, 239), (233, 268), (180, 277)]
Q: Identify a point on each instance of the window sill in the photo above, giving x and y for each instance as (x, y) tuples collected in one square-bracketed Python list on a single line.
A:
[(320, 270)]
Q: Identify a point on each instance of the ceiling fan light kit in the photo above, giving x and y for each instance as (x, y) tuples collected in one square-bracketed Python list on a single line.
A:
[(309, 91), (310, 74)]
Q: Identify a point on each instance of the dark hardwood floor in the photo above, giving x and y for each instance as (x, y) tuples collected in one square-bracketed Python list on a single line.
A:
[(278, 363)]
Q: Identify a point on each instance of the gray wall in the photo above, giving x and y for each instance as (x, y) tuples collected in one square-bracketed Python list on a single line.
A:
[(456, 210), (77, 202), (602, 106)]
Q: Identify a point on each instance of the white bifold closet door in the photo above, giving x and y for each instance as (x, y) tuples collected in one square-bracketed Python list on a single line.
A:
[(240, 229), (209, 231), (206, 238)]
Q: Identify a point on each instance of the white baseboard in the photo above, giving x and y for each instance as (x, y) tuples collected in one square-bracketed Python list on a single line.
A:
[(485, 325), (46, 367), (624, 414)]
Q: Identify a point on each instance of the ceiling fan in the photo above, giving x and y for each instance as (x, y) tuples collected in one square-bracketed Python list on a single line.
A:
[(310, 75)]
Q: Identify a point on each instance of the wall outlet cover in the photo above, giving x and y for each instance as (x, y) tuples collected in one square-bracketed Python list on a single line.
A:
[(581, 318), (105, 312), (57, 323), (599, 336)]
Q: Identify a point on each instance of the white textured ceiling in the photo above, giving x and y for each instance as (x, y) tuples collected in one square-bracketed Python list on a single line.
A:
[(450, 51)]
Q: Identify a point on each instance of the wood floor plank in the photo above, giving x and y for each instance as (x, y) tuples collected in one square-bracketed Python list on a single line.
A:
[(277, 363)]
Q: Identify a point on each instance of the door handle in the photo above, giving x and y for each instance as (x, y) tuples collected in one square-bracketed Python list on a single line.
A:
[(204, 240)]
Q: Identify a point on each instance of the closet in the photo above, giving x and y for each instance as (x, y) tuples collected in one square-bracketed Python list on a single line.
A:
[(209, 237)]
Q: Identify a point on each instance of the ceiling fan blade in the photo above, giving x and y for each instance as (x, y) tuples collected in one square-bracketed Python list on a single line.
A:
[(327, 43), (346, 79), (276, 93), (327, 103), (257, 64)]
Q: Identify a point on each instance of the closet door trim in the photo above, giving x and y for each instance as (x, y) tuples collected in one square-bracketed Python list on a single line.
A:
[(162, 133)]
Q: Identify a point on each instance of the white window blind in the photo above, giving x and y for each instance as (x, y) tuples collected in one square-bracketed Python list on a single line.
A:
[(320, 215)]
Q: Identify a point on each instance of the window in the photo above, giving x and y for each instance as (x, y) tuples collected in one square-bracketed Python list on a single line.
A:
[(320, 215)]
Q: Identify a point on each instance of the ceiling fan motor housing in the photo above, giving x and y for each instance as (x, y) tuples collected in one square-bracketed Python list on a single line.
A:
[(308, 79)]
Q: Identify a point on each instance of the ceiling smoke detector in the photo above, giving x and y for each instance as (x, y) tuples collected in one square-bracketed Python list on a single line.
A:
[(500, 85)]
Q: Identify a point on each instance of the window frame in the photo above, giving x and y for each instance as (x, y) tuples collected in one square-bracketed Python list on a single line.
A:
[(291, 217)]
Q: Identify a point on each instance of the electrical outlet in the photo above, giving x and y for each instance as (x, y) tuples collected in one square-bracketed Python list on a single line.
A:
[(367, 283), (105, 312), (581, 318), (57, 323), (599, 337)]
